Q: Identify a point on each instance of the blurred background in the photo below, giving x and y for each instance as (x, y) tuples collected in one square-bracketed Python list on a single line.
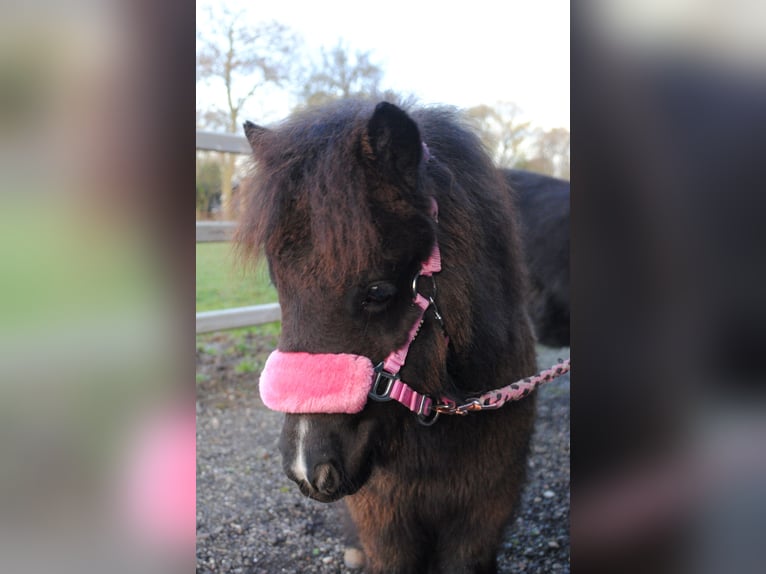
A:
[(669, 305), (96, 382), (96, 255)]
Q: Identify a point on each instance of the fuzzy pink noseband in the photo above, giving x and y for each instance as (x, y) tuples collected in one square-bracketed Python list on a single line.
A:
[(316, 383)]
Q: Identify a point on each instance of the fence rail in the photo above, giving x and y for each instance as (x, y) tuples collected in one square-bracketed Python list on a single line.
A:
[(208, 231), (209, 321), (212, 141)]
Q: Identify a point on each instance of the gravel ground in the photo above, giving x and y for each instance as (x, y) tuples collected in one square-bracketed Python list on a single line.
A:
[(252, 519)]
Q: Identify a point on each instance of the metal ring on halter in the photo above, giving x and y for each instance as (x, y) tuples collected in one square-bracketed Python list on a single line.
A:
[(415, 287), (428, 420)]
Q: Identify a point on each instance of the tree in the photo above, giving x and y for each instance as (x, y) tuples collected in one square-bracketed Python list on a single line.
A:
[(550, 153), (208, 183), (239, 60), (502, 132), (340, 74)]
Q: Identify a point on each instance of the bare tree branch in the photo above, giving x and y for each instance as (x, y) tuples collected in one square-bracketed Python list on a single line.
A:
[(340, 74), (241, 59), (502, 132)]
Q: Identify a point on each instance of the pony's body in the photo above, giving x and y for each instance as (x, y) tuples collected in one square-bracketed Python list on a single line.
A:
[(543, 204), (340, 202)]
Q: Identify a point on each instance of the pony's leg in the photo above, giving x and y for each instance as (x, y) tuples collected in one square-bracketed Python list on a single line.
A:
[(390, 541), (468, 544), (401, 548), (353, 556), (488, 565), (393, 553)]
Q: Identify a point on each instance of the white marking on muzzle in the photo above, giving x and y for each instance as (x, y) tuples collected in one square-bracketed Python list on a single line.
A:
[(300, 469)]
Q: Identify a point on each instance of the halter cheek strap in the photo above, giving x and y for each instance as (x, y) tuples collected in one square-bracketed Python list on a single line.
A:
[(387, 384), (395, 361)]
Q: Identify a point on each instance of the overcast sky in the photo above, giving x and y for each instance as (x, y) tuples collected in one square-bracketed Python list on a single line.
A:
[(462, 53)]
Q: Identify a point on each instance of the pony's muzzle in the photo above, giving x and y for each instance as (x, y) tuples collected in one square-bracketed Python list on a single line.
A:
[(312, 456), (326, 479), (322, 482)]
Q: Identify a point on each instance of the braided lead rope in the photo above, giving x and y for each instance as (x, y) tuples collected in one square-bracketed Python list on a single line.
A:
[(498, 397), (520, 389)]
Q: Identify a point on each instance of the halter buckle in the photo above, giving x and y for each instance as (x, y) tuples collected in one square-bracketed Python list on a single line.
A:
[(382, 385)]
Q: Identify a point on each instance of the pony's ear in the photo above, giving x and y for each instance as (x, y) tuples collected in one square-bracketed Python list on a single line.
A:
[(393, 143), (254, 134)]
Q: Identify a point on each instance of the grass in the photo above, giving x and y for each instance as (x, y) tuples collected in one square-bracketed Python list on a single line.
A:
[(248, 366), (64, 266), (222, 283)]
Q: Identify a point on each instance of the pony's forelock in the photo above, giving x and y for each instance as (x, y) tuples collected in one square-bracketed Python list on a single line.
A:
[(305, 194)]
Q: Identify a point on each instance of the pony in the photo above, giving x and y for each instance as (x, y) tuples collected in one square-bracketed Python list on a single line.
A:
[(543, 204), (386, 227)]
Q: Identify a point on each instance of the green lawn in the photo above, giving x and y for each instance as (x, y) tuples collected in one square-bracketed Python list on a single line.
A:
[(223, 283)]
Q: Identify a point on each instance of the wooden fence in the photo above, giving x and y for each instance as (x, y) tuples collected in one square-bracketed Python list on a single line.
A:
[(208, 321)]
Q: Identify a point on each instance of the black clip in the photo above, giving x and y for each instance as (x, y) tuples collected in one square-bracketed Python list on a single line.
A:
[(384, 382)]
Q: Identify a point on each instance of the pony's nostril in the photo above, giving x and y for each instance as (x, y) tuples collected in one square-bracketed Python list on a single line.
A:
[(326, 478)]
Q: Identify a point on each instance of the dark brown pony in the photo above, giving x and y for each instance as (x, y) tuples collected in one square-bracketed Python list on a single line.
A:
[(340, 202)]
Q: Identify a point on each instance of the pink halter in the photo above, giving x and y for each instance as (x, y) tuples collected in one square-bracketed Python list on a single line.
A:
[(342, 383)]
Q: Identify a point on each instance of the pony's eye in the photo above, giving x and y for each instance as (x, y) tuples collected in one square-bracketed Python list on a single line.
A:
[(377, 295)]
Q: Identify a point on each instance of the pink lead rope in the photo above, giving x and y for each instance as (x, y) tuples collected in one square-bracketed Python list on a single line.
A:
[(497, 398)]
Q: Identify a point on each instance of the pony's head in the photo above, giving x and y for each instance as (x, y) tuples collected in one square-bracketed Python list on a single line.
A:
[(340, 202)]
